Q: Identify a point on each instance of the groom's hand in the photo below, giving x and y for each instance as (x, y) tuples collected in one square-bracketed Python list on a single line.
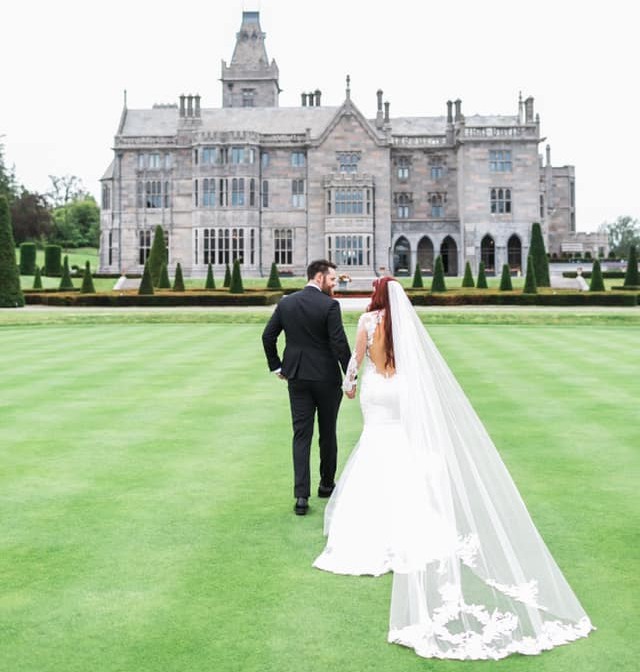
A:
[(351, 394)]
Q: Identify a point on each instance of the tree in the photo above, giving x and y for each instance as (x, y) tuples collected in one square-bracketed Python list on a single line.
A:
[(236, 279), (539, 256), (164, 283), (65, 188), (87, 280), (482, 277), (210, 283), (157, 255), (52, 260), (530, 285), (31, 217), (622, 234), (65, 280), (227, 276), (274, 278), (8, 184), (11, 295), (631, 278), (178, 280), (438, 284), (77, 223), (597, 283), (37, 279), (146, 284), (417, 278), (27, 259), (505, 279), (467, 280)]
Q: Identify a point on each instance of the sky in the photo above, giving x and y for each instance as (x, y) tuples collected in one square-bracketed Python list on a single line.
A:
[(66, 65)]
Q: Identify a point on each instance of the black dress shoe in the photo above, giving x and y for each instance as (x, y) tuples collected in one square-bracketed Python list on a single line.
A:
[(302, 506), (325, 490)]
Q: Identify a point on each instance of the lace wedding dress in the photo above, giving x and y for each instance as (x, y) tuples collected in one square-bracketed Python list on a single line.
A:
[(425, 494)]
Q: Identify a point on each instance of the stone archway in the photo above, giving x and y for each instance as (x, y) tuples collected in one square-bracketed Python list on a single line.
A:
[(449, 254), (514, 253), (402, 257), (488, 254), (425, 255)]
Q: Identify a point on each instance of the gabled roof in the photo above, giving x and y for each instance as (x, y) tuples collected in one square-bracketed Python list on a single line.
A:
[(108, 173)]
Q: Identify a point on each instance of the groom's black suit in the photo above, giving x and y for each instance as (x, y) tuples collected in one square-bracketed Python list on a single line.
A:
[(315, 349)]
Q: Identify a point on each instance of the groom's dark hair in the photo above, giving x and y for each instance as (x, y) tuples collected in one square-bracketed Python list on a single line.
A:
[(319, 266)]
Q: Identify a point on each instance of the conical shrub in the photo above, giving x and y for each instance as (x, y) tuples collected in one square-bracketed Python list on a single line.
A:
[(11, 295), (227, 276), (178, 280), (65, 280), (482, 277), (87, 280), (210, 283), (164, 283), (157, 255), (417, 278), (631, 278), (146, 285), (505, 279), (530, 286), (467, 280), (274, 278), (438, 283), (539, 255), (597, 282), (236, 279), (37, 279)]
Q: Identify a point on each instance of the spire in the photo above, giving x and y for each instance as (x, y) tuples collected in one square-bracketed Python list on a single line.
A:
[(250, 49), (348, 92)]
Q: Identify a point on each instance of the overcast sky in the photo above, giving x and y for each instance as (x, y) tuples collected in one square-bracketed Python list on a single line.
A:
[(67, 63)]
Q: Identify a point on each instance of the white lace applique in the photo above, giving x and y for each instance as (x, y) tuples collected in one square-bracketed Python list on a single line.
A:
[(527, 593), (369, 322)]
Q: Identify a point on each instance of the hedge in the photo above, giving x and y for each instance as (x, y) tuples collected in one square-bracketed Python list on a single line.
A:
[(487, 298), (160, 298)]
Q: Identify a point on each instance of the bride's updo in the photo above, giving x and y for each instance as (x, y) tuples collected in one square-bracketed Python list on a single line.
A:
[(380, 301)]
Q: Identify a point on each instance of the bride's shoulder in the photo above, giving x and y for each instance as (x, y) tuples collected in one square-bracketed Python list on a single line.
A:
[(368, 317)]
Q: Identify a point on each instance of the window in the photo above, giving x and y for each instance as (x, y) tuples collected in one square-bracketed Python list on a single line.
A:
[(141, 161), (154, 161), (403, 201), (404, 163), (283, 246), (195, 157), (265, 193), (349, 201), (167, 161), (252, 193), (223, 155), (436, 172), (348, 162), (166, 195), (153, 194), (541, 206), (265, 159), (195, 193), (349, 250), (500, 201), (106, 197), (248, 96), (237, 191), (208, 192), (223, 192), (437, 205), (208, 155), (500, 160), (224, 246), (297, 159), (297, 193), (144, 246), (237, 155), (110, 248)]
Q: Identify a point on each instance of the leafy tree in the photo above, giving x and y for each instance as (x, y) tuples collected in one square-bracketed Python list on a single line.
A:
[(210, 283), (236, 279), (8, 184), (622, 234), (52, 260), (157, 255), (631, 278), (438, 284), (164, 283), (505, 279), (27, 259), (274, 278), (87, 280), (10, 292), (227, 276), (146, 284), (31, 217), (530, 285), (482, 277), (37, 279), (64, 189), (77, 223), (178, 280), (65, 280), (467, 280), (597, 283), (417, 278), (539, 256)]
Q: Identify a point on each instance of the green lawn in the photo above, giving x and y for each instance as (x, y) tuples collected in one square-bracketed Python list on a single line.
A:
[(146, 518)]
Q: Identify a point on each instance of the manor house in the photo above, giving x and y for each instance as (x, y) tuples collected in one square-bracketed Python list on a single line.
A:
[(263, 183)]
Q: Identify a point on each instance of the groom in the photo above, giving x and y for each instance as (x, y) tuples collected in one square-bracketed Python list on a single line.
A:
[(315, 349)]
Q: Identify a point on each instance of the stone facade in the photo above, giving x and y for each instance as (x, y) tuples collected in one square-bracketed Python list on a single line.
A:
[(259, 182)]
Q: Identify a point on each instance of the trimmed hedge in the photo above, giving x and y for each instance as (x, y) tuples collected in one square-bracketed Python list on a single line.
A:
[(417, 277), (489, 297), (178, 280), (27, 259), (210, 282), (467, 280), (481, 282), (52, 260)]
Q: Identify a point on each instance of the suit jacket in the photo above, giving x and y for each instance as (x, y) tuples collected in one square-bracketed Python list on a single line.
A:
[(316, 345)]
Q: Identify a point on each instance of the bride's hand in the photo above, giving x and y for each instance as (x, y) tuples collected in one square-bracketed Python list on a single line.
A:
[(351, 393)]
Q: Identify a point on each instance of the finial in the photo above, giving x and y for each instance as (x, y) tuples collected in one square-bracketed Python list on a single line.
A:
[(348, 87), (125, 98)]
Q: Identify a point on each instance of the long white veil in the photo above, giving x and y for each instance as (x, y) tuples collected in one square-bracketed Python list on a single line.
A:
[(488, 586)]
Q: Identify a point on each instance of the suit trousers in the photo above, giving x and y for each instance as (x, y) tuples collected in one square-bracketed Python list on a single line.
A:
[(306, 397)]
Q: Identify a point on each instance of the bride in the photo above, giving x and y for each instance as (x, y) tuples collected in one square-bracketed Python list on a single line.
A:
[(426, 496)]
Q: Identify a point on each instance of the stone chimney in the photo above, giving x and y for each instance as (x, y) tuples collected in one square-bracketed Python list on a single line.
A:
[(458, 104), (310, 99), (190, 105), (548, 150), (318, 94), (528, 110), (197, 107), (182, 97), (386, 113), (379, 114), (304, 99), (449, 112)]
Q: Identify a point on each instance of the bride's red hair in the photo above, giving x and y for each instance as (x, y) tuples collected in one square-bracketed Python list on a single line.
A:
[(380, 301)]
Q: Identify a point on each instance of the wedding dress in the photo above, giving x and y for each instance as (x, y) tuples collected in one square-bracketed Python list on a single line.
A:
[(425, 494)]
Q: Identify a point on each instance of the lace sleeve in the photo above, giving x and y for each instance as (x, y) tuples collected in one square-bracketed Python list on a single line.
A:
[(351, 375)]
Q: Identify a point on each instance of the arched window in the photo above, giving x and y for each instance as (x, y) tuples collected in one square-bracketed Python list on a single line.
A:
[(425, 255), (401, 256), (488, 254), (449, 254), (514, 253)]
